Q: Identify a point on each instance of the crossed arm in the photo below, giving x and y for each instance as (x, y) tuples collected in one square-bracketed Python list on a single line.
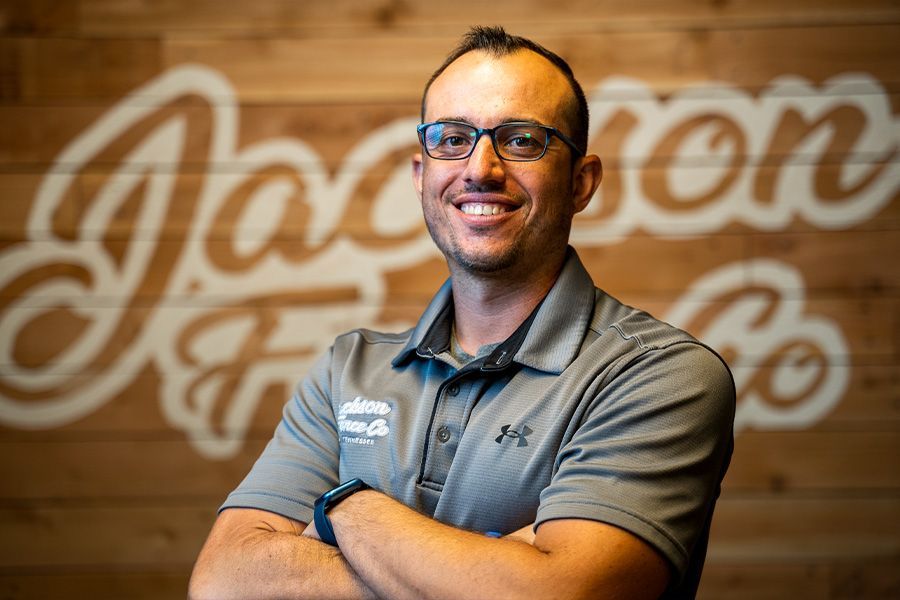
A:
[(390, 551)]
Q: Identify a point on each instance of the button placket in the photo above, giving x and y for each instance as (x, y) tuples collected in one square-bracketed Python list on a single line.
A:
[(443, 435), (444, 432)]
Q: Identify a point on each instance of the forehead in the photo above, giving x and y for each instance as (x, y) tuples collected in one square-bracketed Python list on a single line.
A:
[(487, 90)]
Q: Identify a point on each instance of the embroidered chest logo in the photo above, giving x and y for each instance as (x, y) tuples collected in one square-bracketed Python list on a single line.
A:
[(362, 421), (506, 432)]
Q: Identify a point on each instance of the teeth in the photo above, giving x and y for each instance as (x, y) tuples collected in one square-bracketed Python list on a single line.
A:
[(482, 209)]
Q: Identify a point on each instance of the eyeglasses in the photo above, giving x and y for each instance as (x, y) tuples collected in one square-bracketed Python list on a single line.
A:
[(520, 142)]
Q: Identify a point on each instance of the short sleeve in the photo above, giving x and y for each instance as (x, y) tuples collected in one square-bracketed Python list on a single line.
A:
[(651, 450), (301, 461)]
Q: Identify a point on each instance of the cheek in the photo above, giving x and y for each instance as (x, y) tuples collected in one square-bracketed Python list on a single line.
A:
[(435, 180), (556, 187), (553, 198)]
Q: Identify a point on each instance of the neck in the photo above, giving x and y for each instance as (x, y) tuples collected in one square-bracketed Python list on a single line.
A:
[(488, 308)]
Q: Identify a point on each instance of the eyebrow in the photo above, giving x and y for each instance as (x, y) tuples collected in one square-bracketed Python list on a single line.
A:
[(503, 122)]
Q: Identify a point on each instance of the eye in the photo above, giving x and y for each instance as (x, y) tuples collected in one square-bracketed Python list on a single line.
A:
[(449, 136), (454, 139), (522, 140)]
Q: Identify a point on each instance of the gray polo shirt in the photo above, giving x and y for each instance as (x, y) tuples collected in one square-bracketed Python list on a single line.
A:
[(590, 410)]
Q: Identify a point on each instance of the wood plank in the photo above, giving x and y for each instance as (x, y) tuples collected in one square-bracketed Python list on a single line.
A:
[(41, 17), (135, 414), (612, 265), (274, 205), (814, 461), (33, 134), (68, 68), (63, 466), (774, 529), (858, 579), (47, 335), (17, 191), (156, 536), (276, 201), (869, 403), (848, 254), (116, 503), (866, 323), (871, 398), (229, 261), (699, 200), (111, 471), (745, 530), (853, 280), (267, 17), (95, 583), (771, 581), (49, 324), (373, 70), (858, 261)]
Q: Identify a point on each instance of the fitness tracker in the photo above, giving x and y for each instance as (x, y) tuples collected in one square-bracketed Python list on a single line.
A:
[(329, 500)]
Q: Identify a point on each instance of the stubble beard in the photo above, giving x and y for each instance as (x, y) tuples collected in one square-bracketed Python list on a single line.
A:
[(485, 262), (494, 260)]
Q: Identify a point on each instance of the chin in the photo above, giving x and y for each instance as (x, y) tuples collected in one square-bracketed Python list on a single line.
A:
[(486, 262)]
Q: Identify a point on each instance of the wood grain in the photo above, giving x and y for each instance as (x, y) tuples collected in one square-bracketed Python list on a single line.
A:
[(116, 503)]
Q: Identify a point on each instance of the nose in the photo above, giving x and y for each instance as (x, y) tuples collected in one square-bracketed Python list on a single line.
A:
[(483, 165)]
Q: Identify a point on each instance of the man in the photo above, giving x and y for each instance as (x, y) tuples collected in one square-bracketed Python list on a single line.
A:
[(531, 437)]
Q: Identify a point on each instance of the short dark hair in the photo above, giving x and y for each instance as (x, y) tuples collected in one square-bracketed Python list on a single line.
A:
[(495, 41)]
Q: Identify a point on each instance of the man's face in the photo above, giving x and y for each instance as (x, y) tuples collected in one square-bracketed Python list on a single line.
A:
[(486, 214)]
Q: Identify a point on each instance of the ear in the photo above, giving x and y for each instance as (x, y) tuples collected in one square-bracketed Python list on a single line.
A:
[(585, 180), (417, 173)]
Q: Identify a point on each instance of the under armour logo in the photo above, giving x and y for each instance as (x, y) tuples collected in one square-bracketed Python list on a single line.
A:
[(506, 432)]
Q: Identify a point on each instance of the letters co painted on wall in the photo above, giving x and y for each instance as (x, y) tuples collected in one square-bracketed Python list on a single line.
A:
[(185, 286)]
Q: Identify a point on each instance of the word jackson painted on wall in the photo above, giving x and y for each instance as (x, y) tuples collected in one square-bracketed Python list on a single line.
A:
[(228, 282)]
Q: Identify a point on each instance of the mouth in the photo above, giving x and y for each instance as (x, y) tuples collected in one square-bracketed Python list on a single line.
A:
[(483, 208), (484, 205)]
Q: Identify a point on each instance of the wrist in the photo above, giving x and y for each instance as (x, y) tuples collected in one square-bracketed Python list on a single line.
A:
[(328, 501)]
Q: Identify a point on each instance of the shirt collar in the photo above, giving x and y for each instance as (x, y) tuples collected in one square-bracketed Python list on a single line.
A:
[(548, 340)]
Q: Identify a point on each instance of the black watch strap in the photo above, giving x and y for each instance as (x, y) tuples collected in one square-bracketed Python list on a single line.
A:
[(329, 500)]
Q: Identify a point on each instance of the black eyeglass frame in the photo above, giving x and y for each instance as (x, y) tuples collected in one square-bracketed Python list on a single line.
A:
[(479, 131)]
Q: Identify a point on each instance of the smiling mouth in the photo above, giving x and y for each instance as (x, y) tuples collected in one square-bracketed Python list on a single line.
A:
[(484, 209)]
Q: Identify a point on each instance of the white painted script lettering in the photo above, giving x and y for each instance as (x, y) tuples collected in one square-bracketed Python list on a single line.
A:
[(229, 319), (786, 362)]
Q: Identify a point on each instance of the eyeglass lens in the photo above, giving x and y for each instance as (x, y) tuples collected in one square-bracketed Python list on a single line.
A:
[(512, 141)]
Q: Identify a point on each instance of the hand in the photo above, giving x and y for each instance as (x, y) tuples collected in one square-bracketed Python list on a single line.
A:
[(526, 534), (311, 531)]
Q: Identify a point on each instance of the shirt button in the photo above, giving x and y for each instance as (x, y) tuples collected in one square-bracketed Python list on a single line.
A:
[(443, 434), (453, 389)]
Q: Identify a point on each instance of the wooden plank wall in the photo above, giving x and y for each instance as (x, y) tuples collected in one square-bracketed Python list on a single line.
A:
[(195, 197)]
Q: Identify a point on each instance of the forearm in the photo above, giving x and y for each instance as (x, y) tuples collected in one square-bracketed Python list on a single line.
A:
[(259, 562), (401, 554)]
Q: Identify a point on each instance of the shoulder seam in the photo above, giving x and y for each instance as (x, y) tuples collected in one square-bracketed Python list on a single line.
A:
[(626, 359), (634, 336)]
